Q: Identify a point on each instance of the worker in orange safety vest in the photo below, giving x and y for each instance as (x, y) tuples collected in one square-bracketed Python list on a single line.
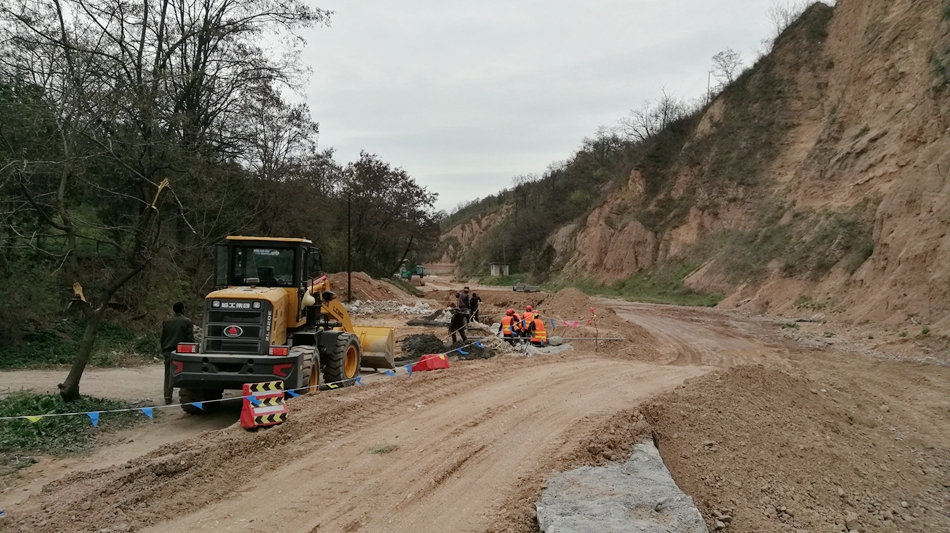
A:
[(527, 318), (510, 327), (539, 337)]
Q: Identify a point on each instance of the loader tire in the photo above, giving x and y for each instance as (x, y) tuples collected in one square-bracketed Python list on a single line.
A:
[(342, 364), (189, 396), (309, 374)]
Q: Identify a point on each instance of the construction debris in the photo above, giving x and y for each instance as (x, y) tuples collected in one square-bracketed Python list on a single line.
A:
[(388, 307), (440, 318)]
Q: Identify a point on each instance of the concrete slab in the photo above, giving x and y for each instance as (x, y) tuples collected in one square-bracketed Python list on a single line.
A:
[(639, 495)]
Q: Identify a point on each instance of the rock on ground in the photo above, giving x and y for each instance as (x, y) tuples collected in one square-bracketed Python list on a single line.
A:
[(639, 495)]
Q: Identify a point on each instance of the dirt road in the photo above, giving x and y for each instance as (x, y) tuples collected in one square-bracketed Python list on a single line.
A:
[(780, 434)]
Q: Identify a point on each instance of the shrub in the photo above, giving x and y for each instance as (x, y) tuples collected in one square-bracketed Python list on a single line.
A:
[(57, 435)]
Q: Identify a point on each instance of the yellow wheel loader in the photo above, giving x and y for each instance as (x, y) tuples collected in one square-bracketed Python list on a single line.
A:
[(271, 319)]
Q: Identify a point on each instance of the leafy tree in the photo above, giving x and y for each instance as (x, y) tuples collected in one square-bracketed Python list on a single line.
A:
[(390, 214)]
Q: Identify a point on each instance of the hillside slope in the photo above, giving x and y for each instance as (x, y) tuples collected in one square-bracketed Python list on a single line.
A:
[(817, 181)]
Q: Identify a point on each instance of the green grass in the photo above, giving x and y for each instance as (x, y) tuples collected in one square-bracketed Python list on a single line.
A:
[(382, 450), (115, 345), (806, 302), (501, 281), (662, 284), (59, 435)]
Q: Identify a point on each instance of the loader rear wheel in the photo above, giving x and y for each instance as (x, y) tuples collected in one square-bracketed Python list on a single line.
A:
[(190, 396), (314, 374), (343, 363), (309, 374)]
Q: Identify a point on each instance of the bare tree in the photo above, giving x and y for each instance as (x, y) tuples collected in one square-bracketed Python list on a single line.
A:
[(726, 66), (648, 121), (142, 93)]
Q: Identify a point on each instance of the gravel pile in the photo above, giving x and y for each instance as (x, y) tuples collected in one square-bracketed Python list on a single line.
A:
[(440, 318), (390, 307)]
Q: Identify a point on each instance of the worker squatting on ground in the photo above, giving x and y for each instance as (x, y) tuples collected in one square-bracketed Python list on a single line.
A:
[(536, 333), (510, 327), (527, 318), (175, 329)]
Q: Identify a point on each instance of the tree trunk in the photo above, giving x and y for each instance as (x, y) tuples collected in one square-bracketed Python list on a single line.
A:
[(69, 389)]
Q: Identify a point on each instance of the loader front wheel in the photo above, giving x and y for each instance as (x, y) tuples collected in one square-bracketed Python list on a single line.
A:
[(342, 364)]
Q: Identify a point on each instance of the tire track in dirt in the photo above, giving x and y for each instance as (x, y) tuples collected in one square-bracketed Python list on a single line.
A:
[(689, 336), (462, 445)]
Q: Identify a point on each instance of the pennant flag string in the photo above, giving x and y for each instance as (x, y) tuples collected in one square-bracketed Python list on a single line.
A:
[(95, 416)]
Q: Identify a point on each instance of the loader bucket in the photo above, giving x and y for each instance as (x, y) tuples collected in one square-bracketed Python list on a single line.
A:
[(378, 346)]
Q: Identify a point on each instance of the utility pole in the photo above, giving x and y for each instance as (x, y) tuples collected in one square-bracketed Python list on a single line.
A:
[(349, 248)]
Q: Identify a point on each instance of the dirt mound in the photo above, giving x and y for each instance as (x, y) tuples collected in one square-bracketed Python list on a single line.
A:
[(415, 346), (780, 452), (571, 304), (366, 288)]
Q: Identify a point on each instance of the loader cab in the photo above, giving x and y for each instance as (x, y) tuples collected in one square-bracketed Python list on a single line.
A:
[(263, 262)]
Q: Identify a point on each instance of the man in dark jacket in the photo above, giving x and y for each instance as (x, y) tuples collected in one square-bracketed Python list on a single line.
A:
[(473, 305), (175, 329)]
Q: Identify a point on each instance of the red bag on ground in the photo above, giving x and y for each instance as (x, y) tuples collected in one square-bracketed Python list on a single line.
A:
[(432, 361)]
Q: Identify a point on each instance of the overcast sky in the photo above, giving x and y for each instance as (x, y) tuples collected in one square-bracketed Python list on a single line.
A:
[(466, 95)]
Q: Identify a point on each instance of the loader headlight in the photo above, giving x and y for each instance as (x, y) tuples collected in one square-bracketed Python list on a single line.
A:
[(256, 305), (216, 303)]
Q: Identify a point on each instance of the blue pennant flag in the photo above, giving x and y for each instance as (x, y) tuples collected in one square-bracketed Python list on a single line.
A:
[(461, 351), (390, 373), (253, 399), (479, 345), (200, 406), (95, 418), (293, 394), (409, 369), (147, 411), (359, 381), (553, 325)]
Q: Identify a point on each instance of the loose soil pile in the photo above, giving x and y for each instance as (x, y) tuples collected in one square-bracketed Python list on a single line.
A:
[(415, 346), (366, 288)]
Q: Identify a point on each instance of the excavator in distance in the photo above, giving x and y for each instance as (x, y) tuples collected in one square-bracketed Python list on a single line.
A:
[(271, 319)]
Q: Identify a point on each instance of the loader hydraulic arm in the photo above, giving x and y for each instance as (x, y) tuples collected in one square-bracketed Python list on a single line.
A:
[(333, 309)]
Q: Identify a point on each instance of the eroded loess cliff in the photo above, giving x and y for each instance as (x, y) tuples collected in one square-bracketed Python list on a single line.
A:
[(818, 180)]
